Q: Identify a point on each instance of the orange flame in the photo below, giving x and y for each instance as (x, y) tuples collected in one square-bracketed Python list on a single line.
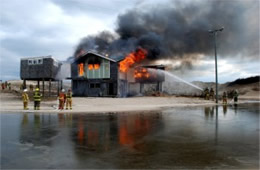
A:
[(96, 66), (90, 66), (93, 66), (141, 73), (132, 58), (81, 69)]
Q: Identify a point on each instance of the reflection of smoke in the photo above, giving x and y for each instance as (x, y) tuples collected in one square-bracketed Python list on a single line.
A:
[(179, 31), (64, 71)]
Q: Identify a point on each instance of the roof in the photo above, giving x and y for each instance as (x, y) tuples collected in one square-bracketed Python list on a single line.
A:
[(40, 57), (26, 58), (94, 53)]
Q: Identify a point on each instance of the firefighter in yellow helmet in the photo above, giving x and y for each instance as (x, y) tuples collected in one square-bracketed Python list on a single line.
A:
[(37, 99), (69, 99), (25, 98)]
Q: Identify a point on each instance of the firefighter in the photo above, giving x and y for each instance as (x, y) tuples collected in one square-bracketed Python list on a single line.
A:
[(25, 99), (69, 100), (3, 86), (235, 94), (211, 94), (62, 98), (224, 97), (37, 99), (206, 93), (9, 86)]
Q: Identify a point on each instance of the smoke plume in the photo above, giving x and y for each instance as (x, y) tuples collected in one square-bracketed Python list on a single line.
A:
[(180, 30)]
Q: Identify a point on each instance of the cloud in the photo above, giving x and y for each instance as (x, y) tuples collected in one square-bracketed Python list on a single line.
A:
[(48, 27), (54, 27)]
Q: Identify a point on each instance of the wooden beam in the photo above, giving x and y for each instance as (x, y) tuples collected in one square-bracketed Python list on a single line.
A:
[(49, 87), (61, 82), (24, 84), (43, 87)]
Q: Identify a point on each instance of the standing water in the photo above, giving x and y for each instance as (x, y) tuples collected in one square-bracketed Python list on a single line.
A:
[(178, 138)]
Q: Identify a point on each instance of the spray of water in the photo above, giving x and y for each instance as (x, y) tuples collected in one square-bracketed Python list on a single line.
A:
[(171, 77), (179, 79)]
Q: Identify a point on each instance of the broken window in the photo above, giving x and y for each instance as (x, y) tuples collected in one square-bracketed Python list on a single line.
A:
[(98, 69), (81, 69)]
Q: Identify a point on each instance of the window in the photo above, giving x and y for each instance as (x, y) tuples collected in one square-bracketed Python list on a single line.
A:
[(94, 85), (81, 69), (30, 62), (102, 70), (97, 85), (35, 61), (39, 61)]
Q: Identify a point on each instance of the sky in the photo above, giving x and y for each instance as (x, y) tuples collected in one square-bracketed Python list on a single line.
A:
[(30, 28)]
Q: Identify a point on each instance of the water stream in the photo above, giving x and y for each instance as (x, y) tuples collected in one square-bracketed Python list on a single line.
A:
[(173, 77)]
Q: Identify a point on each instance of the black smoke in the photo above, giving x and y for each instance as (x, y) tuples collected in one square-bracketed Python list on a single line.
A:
[(178, 30)]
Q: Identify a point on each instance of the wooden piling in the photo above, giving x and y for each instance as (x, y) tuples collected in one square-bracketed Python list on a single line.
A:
[(49, 87), (43, 87), (24, 83)]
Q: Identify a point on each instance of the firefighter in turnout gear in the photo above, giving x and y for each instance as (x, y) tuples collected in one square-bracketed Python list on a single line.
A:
[(37, 99), (224, 98), (211, 94), (25, 98), (68, 99), (62, 99), (235, 94), (206, 93)]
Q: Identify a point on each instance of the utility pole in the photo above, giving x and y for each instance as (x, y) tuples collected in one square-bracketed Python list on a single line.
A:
[(216, 61)]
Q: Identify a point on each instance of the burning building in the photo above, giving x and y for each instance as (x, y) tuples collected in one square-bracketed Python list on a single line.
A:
[(96, 75)]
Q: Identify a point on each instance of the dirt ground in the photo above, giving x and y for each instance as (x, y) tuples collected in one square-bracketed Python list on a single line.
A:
[(11, 102)]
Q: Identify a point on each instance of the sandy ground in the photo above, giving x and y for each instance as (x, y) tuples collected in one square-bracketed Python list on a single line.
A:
[(13, 103)]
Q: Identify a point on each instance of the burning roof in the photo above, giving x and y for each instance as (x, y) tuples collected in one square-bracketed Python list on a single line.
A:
[(86, 54)]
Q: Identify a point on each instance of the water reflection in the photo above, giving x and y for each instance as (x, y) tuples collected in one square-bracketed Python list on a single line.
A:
[(91, 132), (209, 112), (104, 133), (224, 109), (197, 137)]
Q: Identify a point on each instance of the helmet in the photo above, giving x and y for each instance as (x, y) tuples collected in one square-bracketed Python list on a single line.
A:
[(25, 90), (37, 89), (63, 90)]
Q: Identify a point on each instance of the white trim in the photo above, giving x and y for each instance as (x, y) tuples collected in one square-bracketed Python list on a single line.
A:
[(42, 57), (91, 52)]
